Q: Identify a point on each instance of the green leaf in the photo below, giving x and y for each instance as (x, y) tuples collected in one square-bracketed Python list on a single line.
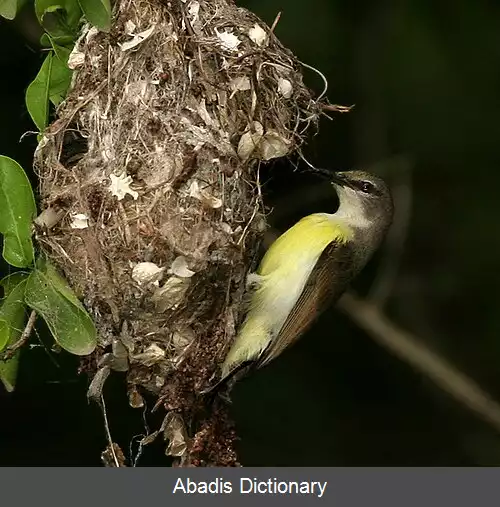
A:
[(60, 50), (59, 17), (10, 8), (12, 308), (98, 12), (37, 95), (8, 371), (18, 209), (45, 41), (60, 284), (60, 78), (51, 83), (49, 295), (10, 282), (43, 7), (51, 41), (12, 322), (52, 17), (74, 13)]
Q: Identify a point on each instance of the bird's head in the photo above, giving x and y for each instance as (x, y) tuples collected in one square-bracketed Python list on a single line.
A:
[(364, 199)]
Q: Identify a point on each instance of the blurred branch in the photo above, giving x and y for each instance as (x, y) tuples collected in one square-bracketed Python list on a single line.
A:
[(409, 349)]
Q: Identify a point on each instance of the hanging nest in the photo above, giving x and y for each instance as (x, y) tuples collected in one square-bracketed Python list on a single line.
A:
[(150, 196)]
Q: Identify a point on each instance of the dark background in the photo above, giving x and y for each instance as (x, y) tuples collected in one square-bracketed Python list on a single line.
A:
[(424, 76)]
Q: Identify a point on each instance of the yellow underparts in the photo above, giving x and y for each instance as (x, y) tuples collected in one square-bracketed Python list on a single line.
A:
[(283, 273)]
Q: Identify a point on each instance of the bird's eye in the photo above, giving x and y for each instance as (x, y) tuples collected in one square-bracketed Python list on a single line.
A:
[(366, 187)]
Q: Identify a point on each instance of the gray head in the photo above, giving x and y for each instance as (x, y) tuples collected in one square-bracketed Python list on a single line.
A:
[(365, 201)]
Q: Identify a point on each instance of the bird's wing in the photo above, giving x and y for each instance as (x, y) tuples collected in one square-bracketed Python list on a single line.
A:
[(328, 280)]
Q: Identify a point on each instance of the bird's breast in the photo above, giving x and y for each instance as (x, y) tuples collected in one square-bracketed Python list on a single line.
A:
[(289, 262), (285, 286), (283, 274)]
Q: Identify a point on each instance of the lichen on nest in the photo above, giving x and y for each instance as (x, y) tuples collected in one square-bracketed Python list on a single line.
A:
[(151, 168)]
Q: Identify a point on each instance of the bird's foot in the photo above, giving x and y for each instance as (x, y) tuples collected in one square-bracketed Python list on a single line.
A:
[(253, 281)]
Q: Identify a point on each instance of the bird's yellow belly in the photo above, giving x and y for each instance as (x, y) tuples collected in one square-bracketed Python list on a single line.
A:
[(283, 274), (269, 309), (283, 288)]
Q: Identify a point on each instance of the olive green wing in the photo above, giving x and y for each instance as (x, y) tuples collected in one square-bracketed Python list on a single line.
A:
[(328, 280)]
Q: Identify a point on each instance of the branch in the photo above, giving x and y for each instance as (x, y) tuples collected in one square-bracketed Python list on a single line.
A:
[(10, 351), (408, 348)]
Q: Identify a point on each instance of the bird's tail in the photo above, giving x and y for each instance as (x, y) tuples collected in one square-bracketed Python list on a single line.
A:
[(223, 386)]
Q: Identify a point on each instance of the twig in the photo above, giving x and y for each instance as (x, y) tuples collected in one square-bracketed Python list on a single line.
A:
[(336, 108), (108, 433), (187, 23), (409, 349), (10, 351), (275, 22)]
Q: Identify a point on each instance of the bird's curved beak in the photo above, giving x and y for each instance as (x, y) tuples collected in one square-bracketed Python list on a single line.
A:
[(338, 179), (335, 178)]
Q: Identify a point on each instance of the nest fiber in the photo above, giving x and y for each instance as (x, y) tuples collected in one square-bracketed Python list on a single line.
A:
[(148, 182)]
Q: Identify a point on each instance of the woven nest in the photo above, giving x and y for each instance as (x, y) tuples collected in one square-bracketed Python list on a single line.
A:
[(148, 182)]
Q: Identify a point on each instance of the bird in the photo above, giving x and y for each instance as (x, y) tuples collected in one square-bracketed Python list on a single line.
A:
[(307, 269)]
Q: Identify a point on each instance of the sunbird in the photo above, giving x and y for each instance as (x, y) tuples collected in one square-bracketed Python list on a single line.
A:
[(307, 269)]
